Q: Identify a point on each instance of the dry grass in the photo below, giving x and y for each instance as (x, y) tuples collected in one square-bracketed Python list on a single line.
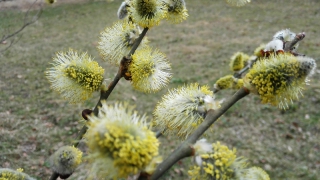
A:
[(35, 121)]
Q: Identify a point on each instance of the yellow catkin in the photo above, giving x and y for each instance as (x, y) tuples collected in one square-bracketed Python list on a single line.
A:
[(177, 11), (117, 41), (256, 173), (279, 79), (120, 135), (183, 109), (147, 13), (216, 164), (238, 60), (149, 70), (9, 174), (75, 75), (65, 160)]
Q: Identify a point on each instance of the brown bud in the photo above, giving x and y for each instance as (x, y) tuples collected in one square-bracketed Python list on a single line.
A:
[(86, 113)]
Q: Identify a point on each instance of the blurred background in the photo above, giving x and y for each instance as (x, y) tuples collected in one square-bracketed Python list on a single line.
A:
[(35, 121)]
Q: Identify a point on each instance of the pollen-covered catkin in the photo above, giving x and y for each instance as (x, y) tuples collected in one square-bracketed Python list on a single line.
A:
[(147, 13), (182, 109), (279, 79), (149, 70), (75, 75), (120, 142), (65, 160)]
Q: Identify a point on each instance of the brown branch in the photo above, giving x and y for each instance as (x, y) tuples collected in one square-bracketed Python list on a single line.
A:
[(104, 95), (138, 41), (185, 149), (121, 72), (289, 46)]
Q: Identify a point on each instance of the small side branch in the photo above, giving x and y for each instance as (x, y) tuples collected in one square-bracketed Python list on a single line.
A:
[(289, 46), (138, 41), (26, 22), (239, 73)]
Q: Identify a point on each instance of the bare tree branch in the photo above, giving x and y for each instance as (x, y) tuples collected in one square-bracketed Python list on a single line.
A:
[(12, 42), (26, 22)]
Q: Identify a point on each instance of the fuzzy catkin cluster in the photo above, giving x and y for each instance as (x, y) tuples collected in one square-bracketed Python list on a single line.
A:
[(238, 61), (146, 13), (182, 109), (75, 75), (255, 173), (9, 174), (227, 82), (279, 79), (65, 160), (149, 70), (117, 41), (177, 11), (219, 164), (216, 161), (119, 142)]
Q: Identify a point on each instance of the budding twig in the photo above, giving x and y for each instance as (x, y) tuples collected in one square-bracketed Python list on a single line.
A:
[(105, 94)]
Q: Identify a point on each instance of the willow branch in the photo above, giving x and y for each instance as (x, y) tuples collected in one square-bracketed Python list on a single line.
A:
[(185, 149), (138, 41), (104, 94), (289, 46), (159, 133), (121, 72), (240, 72), (26, 23)]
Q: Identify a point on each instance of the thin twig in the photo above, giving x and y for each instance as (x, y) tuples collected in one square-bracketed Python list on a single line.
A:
[(105, 94), (289, 46), (240, 72), (185, 149), (25, 24), (138, 41), (159, 134)]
